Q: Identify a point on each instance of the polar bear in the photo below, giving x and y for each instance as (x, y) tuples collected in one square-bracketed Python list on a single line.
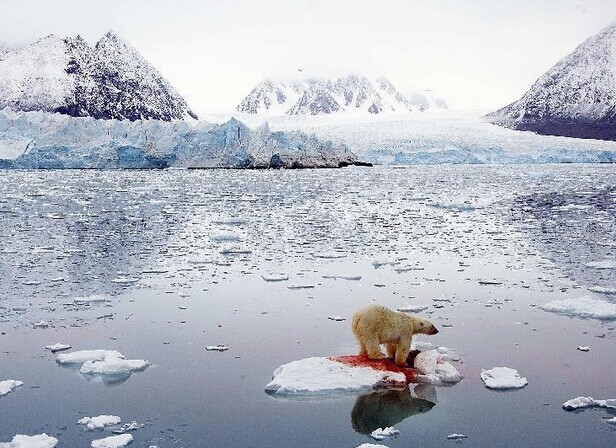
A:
[(375, 325)]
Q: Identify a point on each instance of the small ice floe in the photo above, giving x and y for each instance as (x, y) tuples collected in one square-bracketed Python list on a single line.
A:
[(235, 250), (490, 282), (275, 277), (384, 433), (95, 298), (436, 369), (217, 348), (343, 277), (329, 255), (224, 236), (300, 286), (588, 402), (7, 386), (109, 364), (412, 308), (455, 436), (125, 281), (602, 290), (336, 318), (583, 348), (58, 347), (100, 421), (503, 378), (37, 441), (130, 426), (604, 264), (371, 445), (585, 307), (41, 324), (113, 365), (81, 356), (118, 441), (314, 377), (611, 421)]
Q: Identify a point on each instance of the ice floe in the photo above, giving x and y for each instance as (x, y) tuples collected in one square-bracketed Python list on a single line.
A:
[(130, 426), (319, 376), (37, 441), (384, 433), (217, 348), (371, 445), (455, 436), (602, 290), (100, 421), (93, 299), (113, 365), (105, 363), (583, 348), (57, 347), (412, 308), (118, 441), (435, 368), (336, 318), (503, 378), (343, 277), (585, 307), (8, 386), (588, 402), (604, 264), (275, 277)]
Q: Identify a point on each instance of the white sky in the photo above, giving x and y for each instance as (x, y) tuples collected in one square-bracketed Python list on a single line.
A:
[(477, 54)]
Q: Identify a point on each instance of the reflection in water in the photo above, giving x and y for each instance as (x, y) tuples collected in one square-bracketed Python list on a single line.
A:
[(387, 408)]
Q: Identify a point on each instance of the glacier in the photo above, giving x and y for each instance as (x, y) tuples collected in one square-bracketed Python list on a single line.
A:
[(40, 140)]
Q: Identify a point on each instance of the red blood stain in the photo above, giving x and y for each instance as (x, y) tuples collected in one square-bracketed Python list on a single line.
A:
[(384, 365)]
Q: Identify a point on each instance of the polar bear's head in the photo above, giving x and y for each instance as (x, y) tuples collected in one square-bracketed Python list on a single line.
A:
[(423, 326)]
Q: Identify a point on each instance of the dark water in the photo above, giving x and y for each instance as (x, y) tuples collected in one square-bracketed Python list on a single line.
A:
[(154, 243)]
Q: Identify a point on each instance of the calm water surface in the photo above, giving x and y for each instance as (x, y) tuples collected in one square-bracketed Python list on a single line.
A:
[(179, 255)]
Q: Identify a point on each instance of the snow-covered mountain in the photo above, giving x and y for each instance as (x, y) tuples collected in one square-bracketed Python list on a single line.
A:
[(348, 94), (575, 98), (66, 75)]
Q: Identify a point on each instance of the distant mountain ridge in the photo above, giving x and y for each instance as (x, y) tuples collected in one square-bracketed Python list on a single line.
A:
[(351, 93), (575, 98), (108, 81)]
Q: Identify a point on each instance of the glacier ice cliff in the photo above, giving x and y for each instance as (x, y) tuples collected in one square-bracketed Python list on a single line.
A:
[(39, 140)]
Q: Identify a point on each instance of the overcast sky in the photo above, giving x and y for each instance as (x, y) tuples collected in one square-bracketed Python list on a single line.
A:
[(478, 54)]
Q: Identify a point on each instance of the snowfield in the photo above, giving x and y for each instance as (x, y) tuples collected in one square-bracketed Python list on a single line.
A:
[(436, 137)]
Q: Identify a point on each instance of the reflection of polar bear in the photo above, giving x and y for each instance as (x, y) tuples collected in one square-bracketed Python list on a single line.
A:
[(388, 408), (375, 325)]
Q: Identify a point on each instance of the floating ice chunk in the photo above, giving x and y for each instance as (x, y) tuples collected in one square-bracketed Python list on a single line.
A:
[(605, 264), (435, 368), (118, 441), (336, 318), (588, 402), (57, 347), (7, 386), (583, 348), (275, 277), (96, 298), (323, 376), (371, 445), (217, 348), (503, 378), (329, 255), (100, 421), (37, 441), (343, 277), (235, 250), (81, 356), (384, 433), (224, 236), (611, 420), (300, 286), (125, 281), (457, 436), (585, 307), (113, 365), (602, 290), (131, 426), (412, 308), (41, 324)]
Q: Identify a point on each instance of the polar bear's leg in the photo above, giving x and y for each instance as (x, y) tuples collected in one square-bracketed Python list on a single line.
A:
[(402, 351), (374, 349), (362, 346), (391, 349)]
